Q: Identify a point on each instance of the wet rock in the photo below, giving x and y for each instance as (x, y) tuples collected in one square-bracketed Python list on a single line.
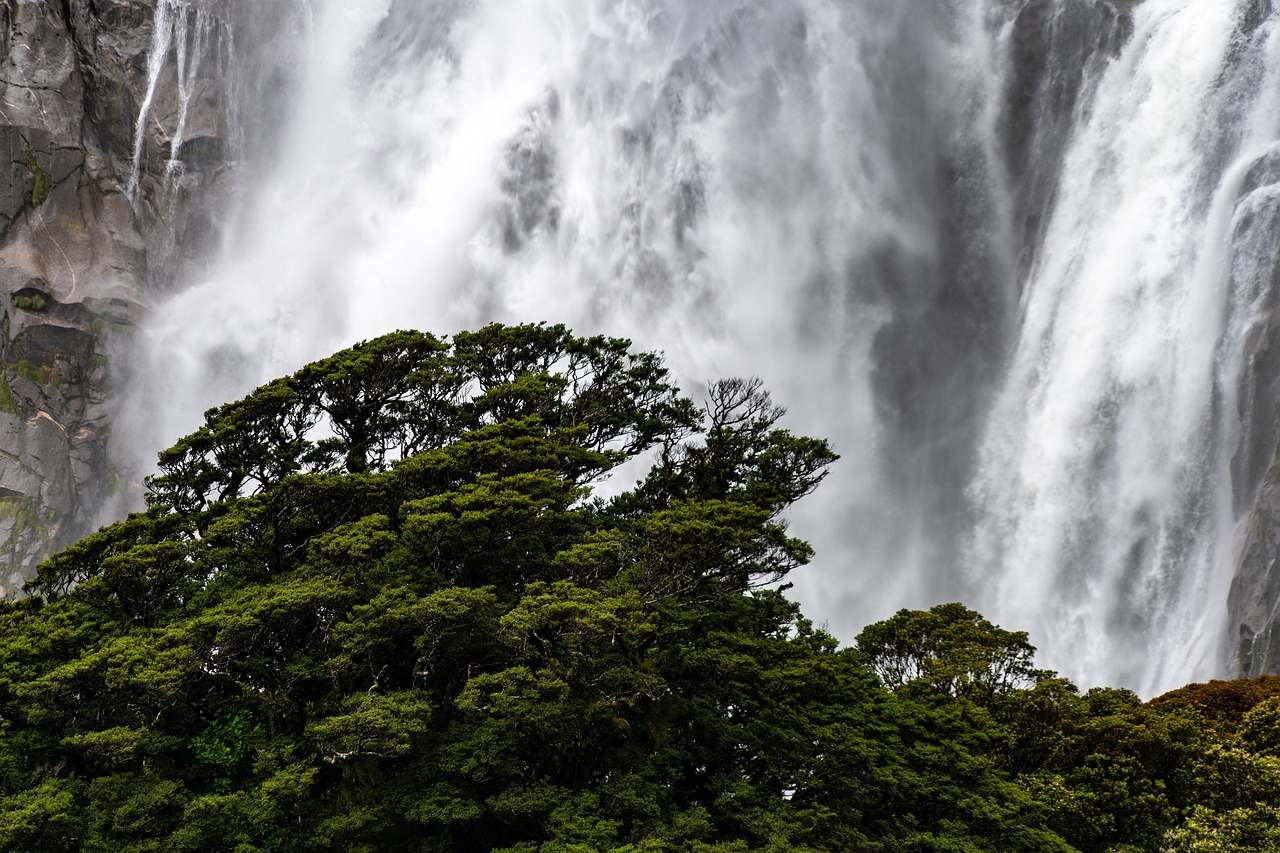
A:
[(1254, 601), (80, 259), (1255, 590)]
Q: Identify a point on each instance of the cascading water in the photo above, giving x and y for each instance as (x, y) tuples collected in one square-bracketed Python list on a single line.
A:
[(1105, 487), (855, 200)]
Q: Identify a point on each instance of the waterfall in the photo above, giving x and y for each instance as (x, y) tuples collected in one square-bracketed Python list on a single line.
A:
[(1104, 483), (161, 37), (186, 28), (1011, 303)]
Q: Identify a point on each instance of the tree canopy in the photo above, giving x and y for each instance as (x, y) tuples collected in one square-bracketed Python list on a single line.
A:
[(376, 606)]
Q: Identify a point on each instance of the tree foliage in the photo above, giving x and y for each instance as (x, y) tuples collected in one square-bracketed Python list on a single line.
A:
[(376, 606), (950, 650)]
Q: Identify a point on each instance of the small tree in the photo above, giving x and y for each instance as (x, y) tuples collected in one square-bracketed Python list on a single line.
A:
[(949, 650)]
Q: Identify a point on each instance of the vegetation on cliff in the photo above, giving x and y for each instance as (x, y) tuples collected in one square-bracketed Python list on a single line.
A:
[(376, 606)]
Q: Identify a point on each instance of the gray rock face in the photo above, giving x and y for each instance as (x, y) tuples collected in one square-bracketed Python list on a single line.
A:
[(1255, 591), (1254, 603), (89, 232)]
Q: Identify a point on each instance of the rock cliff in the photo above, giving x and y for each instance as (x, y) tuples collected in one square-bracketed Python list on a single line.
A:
[(1254, 602), (1255, 591), (98, 211)]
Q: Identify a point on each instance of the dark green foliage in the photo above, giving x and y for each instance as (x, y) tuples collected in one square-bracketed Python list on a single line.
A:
[(407, 393), (374, 606), (949, 650), (1111, 771)]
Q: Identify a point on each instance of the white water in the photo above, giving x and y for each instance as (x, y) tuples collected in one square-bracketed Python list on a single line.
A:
[(1105, 472), (813, 191)]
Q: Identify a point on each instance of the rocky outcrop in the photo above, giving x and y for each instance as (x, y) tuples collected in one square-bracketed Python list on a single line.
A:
[(1254, 602), (93, 221), (1255, 590)]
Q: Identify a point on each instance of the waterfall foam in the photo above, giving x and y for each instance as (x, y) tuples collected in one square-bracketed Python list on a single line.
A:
[(838, 196)]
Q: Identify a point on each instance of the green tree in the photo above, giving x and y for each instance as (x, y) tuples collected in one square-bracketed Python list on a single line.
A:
[(376, 606), (948, 650)]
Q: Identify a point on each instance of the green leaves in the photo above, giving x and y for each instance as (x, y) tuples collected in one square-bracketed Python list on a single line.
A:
[(225, 744), (382, 396), (1252, 829), (949, 650), (44, 817), (1260, 729), (390, 398), (371, 725), (374, 606)]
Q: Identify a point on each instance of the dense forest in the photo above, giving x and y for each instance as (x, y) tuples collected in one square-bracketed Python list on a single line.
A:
[(378, 605)]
